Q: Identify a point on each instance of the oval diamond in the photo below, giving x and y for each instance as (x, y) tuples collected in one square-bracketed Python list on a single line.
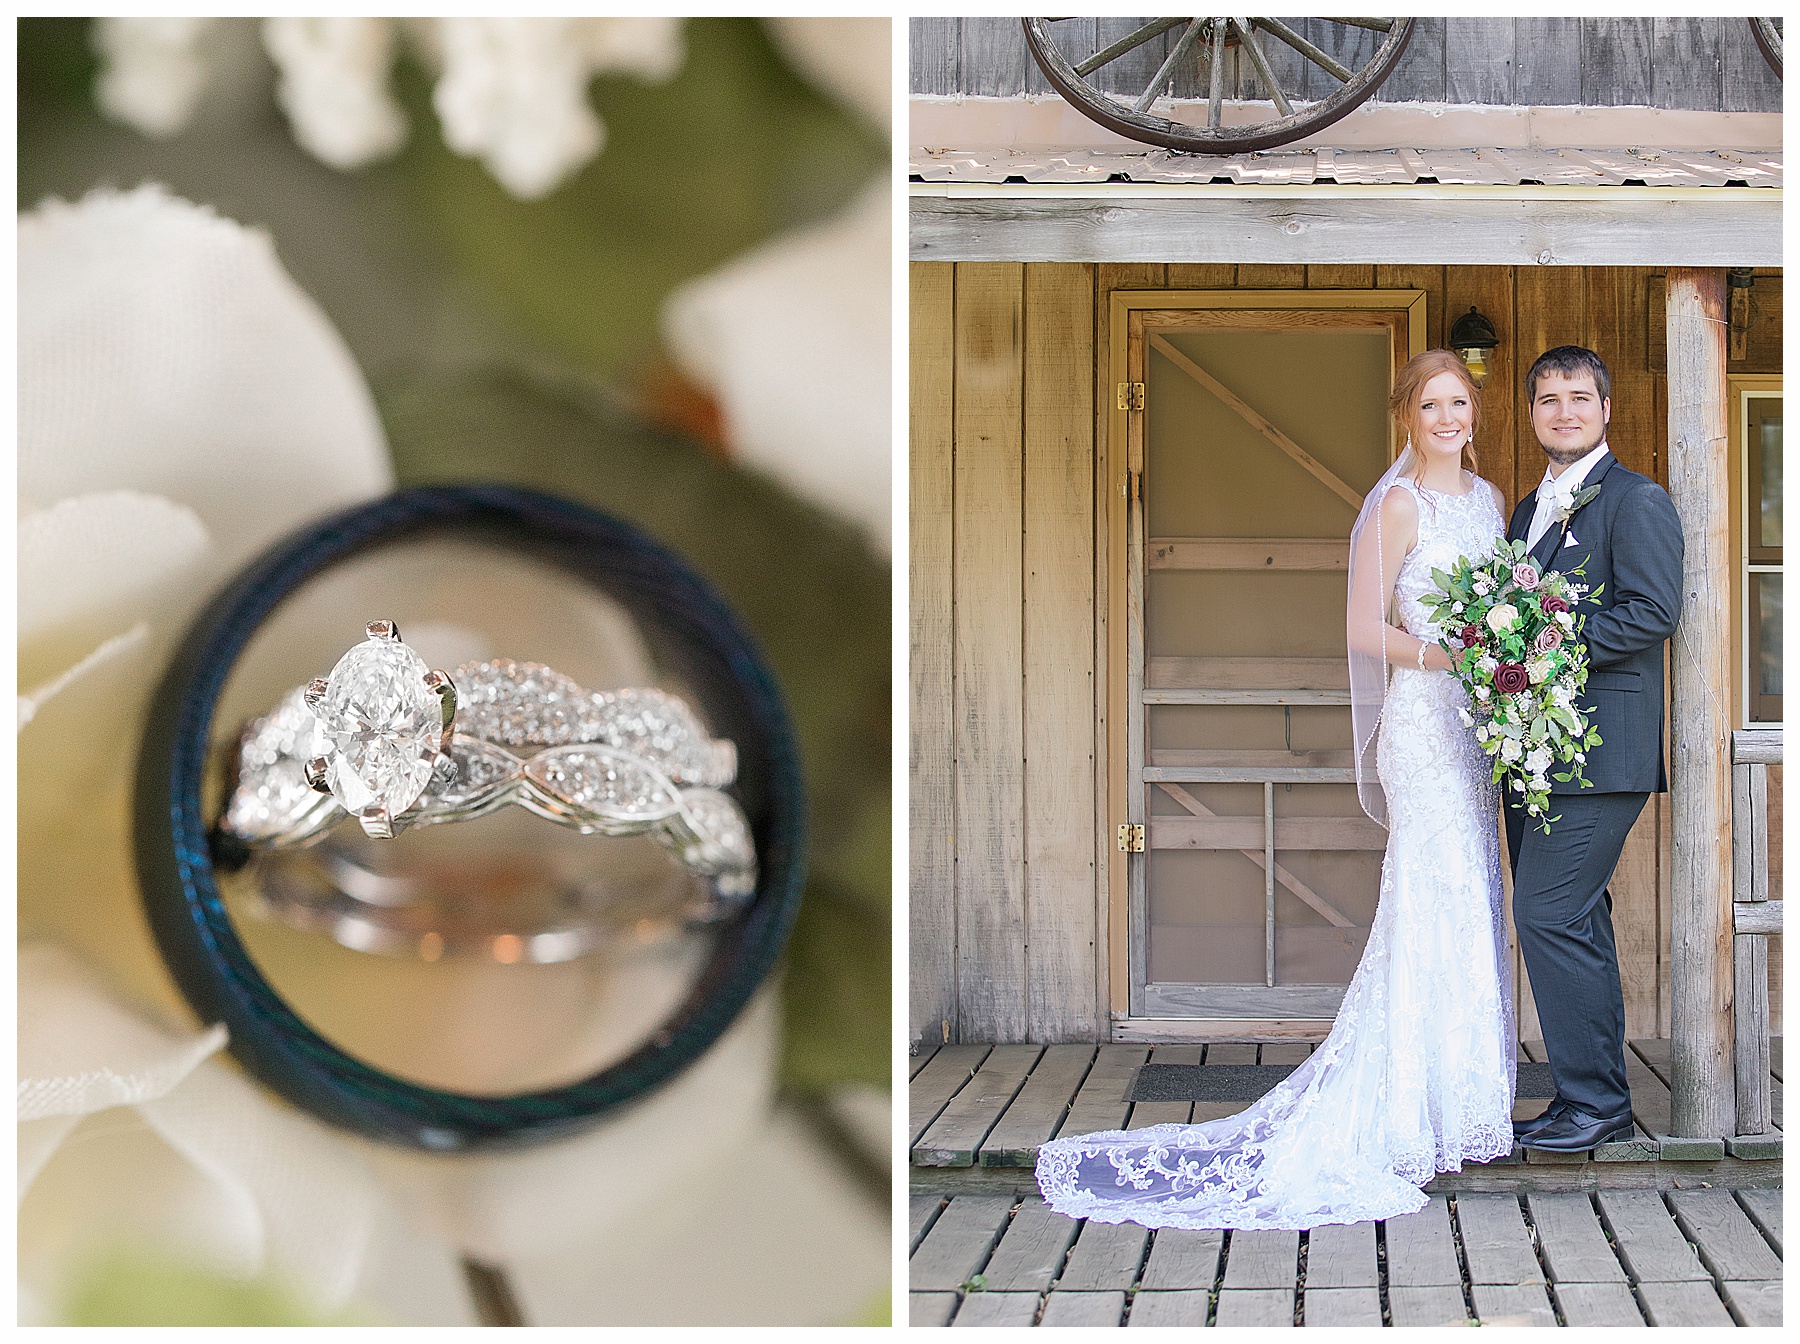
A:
[(382, 727)]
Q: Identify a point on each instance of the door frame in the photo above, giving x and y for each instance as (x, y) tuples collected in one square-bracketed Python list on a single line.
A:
[(1119, 516)]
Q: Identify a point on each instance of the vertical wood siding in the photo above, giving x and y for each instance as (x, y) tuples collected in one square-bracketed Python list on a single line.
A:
[(1700, 64), (1011, 485)]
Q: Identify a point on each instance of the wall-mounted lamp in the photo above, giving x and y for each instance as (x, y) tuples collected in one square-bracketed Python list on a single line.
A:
[(1472, 336)]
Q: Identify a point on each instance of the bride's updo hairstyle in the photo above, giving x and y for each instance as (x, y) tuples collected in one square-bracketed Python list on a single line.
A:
[(1409, 383)]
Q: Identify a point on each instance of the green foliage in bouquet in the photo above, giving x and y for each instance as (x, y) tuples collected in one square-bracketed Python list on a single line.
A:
[(816, 598), (1513, 636)]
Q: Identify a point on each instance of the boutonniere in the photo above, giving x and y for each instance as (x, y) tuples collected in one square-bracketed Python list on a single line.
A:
[(1579, 501)]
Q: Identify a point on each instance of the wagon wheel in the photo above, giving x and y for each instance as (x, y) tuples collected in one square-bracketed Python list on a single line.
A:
[(1202, 47), (1768, 37)]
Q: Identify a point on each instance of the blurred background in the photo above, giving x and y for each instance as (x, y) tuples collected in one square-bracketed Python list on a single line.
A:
[(672, 307)]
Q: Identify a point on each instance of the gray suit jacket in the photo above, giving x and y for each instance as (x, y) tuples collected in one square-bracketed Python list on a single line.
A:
[(1629, 539)]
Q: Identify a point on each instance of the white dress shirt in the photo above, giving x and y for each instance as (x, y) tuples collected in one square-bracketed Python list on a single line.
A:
[(1558, 491)]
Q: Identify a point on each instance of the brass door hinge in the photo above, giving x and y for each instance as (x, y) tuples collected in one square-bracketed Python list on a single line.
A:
[(1131, 396), (1131, 837)]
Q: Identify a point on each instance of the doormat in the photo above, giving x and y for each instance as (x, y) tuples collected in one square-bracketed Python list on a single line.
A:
[(1248, 1082)]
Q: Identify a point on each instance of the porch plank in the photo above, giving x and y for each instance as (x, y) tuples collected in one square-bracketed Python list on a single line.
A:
[(921, 1210), (1598, 1304), (1754, 1303), (1573, 1241), (1513, 1304), (1256, 1306), (1105, 1259), (927, 1309), (1101, 1104), (1106, 1309), (1039, 1107), (1183, 1258), (1652, 1247), (958, 1243), (1284, 1052), (1341, 1255), (1341, 1306), (1420, 1251), (919, 1058), (1262, 1259), (1167, 1309), (979, 1309), (1730, 1246), (954, 1137), (1495, 1240), (1438, 1304), (1031, 1251), (1764, 1208), (942, 1078), (1683, 1304)]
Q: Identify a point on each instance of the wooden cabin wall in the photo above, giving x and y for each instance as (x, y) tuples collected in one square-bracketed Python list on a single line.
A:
[(1701, 64), (1009, 907)]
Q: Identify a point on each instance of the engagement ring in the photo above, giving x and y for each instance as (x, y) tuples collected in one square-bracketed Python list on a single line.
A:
[(394, 744)]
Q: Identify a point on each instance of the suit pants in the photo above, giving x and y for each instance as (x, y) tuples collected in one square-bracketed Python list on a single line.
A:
[(1563, 912)]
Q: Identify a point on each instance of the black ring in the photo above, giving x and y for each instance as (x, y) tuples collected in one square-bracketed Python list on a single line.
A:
[(692, 632)]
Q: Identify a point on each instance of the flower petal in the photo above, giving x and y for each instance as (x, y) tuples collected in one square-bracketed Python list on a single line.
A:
[(793, 340), (163, 349)]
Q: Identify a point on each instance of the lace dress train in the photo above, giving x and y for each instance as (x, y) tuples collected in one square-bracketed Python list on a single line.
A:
[(1417, 1073)]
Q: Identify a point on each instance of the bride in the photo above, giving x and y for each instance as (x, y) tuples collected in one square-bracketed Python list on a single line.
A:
[(1417, 1074)]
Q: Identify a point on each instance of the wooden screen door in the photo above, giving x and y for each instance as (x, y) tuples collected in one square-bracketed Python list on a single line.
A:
[(1252, 432)]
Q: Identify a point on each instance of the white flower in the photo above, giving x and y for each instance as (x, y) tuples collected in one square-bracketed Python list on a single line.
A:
[(333, 87), (1532, 808), (1518, 786), (1566, 619), (1487, 663), (1538, 760), (1538, 669), (1483, 585), (1467, 718), (1502, 618), (793, 340), (1510, 749), (1581, 758), (513, 91), (151, 71), (1482, 692), (1456, 607)]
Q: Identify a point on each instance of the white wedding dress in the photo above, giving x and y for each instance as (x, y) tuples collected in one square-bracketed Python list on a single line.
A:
[(1417, 1074)]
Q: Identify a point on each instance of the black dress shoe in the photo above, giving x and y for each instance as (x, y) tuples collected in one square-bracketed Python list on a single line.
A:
[(1578, 1132), (1524, 1129)]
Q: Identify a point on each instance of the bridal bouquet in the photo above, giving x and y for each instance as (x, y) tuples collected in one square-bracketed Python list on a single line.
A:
[(1511, 633)]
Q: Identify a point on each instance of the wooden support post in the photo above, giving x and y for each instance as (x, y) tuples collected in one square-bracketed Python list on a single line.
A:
[(1704, 1097)]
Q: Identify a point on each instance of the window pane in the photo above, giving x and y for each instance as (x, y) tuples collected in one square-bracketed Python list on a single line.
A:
[(1765, 648), (1771, 477)]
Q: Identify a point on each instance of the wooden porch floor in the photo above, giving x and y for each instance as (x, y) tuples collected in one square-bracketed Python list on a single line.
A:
[(1618, 1257), (1655, 1230), (978, 1113)]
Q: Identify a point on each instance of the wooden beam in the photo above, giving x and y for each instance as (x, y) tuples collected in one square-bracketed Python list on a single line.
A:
[(1603, 226), (1703, 1093), (1756, 917), (1237, 673), (1256, 419), (1291, 833), (1257, 553)]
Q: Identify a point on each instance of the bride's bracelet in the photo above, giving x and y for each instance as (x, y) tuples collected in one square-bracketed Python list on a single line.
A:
[(1422, 648)]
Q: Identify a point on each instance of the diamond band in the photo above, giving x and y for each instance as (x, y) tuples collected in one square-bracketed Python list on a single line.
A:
[(395, 744)]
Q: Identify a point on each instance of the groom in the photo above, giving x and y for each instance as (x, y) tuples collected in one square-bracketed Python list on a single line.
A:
[(1621, 528)]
